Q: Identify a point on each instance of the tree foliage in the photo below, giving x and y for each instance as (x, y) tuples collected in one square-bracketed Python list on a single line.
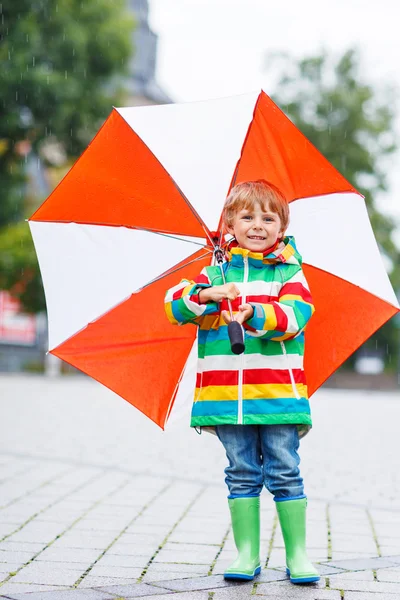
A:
[(19, 270), (61, 63), (352, 124)]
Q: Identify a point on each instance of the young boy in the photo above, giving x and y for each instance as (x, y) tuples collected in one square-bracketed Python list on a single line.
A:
[(257, 401)]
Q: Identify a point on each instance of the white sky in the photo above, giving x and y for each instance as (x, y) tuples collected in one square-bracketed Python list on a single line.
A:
[(212, 48)]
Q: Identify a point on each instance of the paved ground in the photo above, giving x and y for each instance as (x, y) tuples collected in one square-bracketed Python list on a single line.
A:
[(97, 503)]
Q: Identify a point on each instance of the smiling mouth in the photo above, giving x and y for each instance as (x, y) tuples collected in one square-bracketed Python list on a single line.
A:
[(256, 237)]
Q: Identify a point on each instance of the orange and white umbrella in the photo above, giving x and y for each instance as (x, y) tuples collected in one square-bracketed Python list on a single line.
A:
[(134, 215)]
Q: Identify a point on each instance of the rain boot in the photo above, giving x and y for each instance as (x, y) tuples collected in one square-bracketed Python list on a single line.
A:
[(292, 517), (245, 515)]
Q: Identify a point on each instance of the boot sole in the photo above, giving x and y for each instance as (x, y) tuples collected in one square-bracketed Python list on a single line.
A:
[(310, 579), (242, 576)]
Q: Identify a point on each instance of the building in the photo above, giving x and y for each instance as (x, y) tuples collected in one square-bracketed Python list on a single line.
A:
[(143, 86)]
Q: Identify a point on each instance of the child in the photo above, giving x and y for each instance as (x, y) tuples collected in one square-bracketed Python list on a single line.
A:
[(256, 401)]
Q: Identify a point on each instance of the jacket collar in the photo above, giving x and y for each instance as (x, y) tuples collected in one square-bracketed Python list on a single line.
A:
[(284, 252)]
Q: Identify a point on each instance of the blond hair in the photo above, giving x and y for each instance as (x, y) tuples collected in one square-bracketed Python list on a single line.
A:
[(245, 195)]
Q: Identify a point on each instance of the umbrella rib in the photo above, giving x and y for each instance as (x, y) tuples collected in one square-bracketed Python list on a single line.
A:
[(171, 271), (185, 199), (174, 237)]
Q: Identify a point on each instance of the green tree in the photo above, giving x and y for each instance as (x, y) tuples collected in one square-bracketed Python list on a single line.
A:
[(19, 270), (352, 124), (61, 63), (63, 67)]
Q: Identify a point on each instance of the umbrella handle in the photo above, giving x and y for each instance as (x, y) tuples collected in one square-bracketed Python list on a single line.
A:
[(235, 329), (236, 337)]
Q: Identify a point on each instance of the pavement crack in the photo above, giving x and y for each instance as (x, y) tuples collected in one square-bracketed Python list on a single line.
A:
[(271, 540), (82, 577), (219, 551), (329, 531), (160, 547), (374, 534)]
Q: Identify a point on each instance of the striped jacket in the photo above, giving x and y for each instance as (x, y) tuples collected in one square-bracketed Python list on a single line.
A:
[(266, 384)]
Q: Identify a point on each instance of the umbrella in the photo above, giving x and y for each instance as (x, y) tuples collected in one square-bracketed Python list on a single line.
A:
[(141, 209)]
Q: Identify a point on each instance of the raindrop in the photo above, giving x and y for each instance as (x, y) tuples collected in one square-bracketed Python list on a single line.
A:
[(73, 51), (66, 75), (345, 134), (33, 61)]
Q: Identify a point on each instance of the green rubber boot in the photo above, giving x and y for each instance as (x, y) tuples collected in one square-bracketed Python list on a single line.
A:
[(292, 517), (245, 515)]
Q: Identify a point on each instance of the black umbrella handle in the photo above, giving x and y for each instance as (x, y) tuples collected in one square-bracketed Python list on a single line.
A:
[(236, 337), (235, 329)]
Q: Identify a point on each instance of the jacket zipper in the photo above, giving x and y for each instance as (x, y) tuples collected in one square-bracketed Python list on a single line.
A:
[(295, 390), (240, 381)]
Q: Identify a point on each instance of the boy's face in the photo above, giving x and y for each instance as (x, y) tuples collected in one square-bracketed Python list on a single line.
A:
[(256, 229)]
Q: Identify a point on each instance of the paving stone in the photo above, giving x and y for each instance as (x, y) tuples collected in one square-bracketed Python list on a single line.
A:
[(21, 546), (352, 575), (169, 576), (389, 575), (186, 569), (267, 575), (367, 596), (176, 596), (243, 591), (362, 564), (10, 566), (364, 586), (37, 532), (107, 571), (12, 589), (32, 573), (120, 560), (65, 595), (84, 540), (395, 558), (68, 555), (289, 590), (135, 591), (94, 581), (195, 583), (184, 557), (132, 549)]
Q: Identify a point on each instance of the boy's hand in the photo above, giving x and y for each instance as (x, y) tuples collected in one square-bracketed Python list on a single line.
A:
[(245, 313), (219, 292)]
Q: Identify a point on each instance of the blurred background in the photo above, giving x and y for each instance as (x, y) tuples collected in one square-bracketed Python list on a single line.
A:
[(332, 68)]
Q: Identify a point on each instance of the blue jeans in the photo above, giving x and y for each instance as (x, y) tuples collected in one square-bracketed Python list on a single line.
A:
[(261, 455)]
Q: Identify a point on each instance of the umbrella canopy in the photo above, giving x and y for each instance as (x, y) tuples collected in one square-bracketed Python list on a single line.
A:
[(135, 214)]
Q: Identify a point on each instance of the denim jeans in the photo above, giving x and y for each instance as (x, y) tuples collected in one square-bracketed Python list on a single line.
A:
[(261, 455)]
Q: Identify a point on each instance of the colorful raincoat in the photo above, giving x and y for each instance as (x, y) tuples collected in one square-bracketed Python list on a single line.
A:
[(266, 384)]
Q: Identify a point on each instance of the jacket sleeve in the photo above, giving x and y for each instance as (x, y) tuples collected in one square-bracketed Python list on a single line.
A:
[(285, 318), (182, 301)]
